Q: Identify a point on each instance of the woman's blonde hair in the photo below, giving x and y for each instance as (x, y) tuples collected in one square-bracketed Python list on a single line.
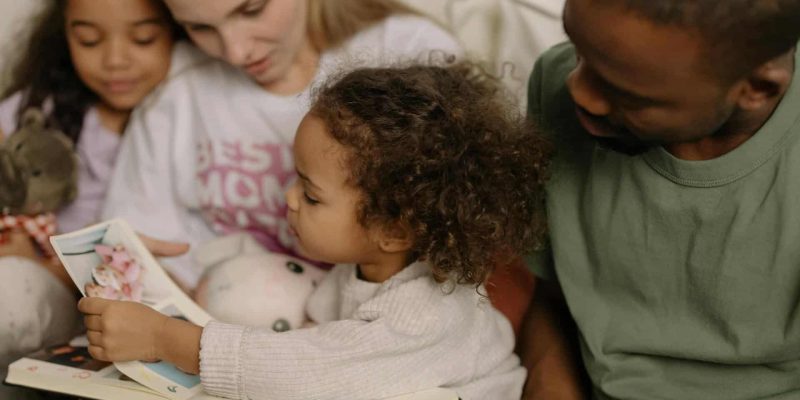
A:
[(332, 22)]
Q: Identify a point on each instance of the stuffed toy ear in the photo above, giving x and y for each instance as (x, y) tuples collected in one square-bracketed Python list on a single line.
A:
[(225, 248), (33, 120)]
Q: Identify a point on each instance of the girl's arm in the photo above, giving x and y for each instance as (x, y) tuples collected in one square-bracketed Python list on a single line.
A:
[(126, 331)]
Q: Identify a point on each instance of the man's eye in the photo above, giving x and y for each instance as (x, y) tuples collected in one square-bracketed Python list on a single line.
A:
[(309, 199)]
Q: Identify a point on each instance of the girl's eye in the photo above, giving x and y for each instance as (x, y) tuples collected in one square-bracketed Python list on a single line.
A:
[(146, 34), (87, 36), (88, 43), (145, 41), (310, 200)]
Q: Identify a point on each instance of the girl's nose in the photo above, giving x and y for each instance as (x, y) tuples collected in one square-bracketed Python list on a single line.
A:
[(116, 54)]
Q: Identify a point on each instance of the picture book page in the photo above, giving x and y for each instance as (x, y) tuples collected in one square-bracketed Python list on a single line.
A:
[(109, 260)]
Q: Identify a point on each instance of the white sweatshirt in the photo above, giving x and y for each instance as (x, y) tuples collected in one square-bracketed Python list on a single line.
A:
[(374, 340), (210, 152)]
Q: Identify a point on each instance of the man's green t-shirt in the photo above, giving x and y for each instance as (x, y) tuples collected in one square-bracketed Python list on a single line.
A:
[(682, 276)]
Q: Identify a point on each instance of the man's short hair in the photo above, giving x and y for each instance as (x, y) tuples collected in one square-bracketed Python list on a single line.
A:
[(741, 34)]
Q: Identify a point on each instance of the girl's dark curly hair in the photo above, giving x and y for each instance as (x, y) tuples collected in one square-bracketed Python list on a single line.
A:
[(440, 152), (45, 71)]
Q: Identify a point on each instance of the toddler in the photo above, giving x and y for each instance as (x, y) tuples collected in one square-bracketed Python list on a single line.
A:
[(414, 181)]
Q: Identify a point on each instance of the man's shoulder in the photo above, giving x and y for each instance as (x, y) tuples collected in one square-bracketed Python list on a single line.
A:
[(552, 68), (549, 102)]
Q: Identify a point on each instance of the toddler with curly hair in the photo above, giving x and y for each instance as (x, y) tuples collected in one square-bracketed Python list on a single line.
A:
[(415, 181)]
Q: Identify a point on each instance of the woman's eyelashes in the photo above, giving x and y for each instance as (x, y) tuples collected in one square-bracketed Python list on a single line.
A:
[(198, 28), (255, 8)]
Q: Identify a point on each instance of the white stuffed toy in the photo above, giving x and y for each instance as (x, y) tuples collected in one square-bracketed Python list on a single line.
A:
[(245, 284)]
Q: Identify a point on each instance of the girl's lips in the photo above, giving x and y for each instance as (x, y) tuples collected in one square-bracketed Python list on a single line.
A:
[(121, 86)]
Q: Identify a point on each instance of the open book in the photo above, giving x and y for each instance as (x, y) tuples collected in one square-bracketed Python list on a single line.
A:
[(70, 370), (109, 259)]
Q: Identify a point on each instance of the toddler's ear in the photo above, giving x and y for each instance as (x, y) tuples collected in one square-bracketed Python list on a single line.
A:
[(395, 238)]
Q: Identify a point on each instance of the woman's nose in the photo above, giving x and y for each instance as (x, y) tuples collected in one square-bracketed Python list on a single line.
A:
[(237, 47)]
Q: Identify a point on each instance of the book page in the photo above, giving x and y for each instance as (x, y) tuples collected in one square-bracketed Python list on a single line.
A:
[(109, 260)]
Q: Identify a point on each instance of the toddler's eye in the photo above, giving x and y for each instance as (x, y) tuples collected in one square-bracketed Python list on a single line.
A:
[(310, 200)]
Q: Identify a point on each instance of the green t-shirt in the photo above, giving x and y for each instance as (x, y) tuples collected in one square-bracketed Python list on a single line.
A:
[(682, 276)]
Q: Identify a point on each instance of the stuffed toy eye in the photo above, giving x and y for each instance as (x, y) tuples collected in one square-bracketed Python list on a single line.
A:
[(36, 172), (281, 325), (294, 267)]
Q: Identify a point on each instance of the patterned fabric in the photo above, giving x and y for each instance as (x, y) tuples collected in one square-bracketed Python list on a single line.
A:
[(39, 227)]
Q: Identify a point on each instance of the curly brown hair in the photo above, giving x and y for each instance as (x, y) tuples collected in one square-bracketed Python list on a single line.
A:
[(438, 150)]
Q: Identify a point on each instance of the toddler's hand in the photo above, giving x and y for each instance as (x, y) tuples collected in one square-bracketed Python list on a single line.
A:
[(122, 330)]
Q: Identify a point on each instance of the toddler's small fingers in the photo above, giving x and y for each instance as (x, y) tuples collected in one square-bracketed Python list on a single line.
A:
[(93, 323), (98, 353), (95, 338), (93, 305)]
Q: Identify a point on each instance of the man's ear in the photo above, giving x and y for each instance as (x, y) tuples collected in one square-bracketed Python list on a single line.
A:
[(766, 83), (395, 238)]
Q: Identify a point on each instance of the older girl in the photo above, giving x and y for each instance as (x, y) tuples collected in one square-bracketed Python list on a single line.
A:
[(87, 63)]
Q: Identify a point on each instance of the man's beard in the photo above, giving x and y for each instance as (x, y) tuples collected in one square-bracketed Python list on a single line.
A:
[(630, 148)]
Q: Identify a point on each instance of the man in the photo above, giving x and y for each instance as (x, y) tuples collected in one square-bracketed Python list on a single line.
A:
[(674, 203)]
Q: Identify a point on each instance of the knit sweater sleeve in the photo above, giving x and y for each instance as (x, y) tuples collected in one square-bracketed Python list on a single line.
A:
[(411, 339)]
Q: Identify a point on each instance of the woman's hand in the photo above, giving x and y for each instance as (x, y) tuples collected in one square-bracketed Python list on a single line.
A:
[(122, 330), (162, 248)]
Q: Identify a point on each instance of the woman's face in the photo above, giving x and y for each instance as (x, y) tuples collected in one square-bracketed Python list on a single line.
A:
[(121, 49), (262, 37)]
